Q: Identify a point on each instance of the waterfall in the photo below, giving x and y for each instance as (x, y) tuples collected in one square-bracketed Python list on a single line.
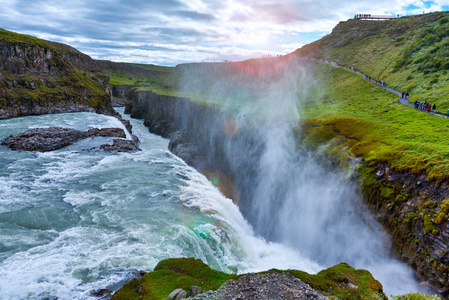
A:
[(286, 194)]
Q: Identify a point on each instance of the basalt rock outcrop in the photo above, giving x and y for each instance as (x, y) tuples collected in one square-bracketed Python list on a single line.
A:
[(122, 91), (119, 145), (270, 286), (416, 214), (53, 138)]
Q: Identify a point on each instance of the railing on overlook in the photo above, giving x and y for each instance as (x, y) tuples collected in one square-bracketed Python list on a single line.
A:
[(373, 17)]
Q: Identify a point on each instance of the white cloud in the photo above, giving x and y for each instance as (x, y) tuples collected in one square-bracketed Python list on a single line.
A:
[(172, 31), (288, 48)]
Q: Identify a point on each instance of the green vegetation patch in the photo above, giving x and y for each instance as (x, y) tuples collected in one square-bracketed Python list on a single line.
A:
[(415, 296), (443, 212), (343, 282), (172, 274), (17, 38), (338, 282), (158, 79)]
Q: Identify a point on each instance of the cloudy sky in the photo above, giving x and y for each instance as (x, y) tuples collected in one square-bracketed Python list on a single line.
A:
[(168, 32)]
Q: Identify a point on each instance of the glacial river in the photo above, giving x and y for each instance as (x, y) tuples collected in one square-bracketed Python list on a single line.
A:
[(77, 219)]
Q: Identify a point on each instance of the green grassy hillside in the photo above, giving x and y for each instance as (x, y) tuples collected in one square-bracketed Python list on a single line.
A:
[(409, 53), (145, 77), (367, 122)]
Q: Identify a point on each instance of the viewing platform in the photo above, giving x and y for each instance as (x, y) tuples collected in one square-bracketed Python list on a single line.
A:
[(373, 17)]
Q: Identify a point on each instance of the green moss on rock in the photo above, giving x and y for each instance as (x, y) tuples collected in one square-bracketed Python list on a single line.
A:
[(171, 274), (338, 282), (415, 296)]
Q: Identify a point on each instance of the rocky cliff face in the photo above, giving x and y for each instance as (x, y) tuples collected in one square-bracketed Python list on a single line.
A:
[(121, 91), (415, 213), (184, 122), (40, 77)]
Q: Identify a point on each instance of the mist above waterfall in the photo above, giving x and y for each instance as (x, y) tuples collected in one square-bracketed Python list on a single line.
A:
[(285, 193)]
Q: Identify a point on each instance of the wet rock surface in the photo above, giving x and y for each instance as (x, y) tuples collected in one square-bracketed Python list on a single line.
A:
[(53, 138), (102, 293), (270, 286), (119, 145)]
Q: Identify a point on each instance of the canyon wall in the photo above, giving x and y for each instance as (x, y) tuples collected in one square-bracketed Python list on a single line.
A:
[(204, 137), (407, 205)]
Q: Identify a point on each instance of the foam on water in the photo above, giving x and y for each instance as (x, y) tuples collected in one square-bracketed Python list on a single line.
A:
[(73, 220)]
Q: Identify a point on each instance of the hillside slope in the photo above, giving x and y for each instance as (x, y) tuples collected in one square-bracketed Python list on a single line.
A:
[(409, 53), (38, 77), (144, 76)]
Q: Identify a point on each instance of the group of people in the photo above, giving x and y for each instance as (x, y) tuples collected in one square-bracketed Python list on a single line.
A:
[(426, 106), (368, 78), (381, 83)]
